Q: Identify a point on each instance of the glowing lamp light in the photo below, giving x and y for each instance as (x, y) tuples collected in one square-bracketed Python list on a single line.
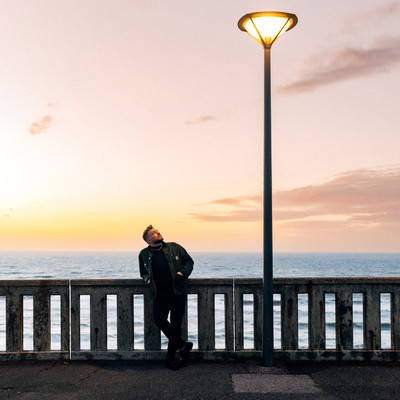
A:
[(267, 26)]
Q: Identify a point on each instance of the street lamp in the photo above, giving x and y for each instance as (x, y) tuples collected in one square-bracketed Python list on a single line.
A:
[(266, 27)]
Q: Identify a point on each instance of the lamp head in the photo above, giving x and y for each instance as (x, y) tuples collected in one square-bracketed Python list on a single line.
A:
[(267, 26)]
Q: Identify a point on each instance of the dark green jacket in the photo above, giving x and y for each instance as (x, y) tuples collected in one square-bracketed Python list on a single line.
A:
[(178, 261)]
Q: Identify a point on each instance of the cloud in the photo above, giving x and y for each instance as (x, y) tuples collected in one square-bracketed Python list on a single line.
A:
[(41, 126), (239, 201), (365, 197), (7, 213), (386, 10), (345, 64), (234, 209), (230, 216), (201, 120)]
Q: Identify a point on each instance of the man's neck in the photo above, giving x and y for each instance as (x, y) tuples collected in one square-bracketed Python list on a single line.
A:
[(157, 247)]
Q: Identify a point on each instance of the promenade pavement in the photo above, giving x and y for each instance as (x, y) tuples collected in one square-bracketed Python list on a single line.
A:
[(47, 380)]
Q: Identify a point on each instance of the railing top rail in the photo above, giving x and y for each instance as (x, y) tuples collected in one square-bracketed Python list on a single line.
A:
[(34, 282), (340, 281), (106, 282), (205, 281)]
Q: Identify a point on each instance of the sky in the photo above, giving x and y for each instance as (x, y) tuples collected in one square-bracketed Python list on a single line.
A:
[(117, 114)]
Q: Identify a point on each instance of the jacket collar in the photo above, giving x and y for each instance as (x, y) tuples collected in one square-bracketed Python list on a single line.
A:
[(164, 245)]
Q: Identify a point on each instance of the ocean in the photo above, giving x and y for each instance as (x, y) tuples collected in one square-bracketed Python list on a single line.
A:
[(124, 265)]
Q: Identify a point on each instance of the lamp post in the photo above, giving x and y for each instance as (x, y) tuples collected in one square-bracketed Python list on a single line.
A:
[(266, 27)]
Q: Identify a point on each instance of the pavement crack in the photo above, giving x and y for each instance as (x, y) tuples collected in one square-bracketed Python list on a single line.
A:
[(89, 375)]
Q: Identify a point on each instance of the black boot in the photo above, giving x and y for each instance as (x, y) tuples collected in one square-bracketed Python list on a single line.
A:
[(184, 352)]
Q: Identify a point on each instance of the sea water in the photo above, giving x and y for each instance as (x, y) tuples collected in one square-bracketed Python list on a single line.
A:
[(124, 265)]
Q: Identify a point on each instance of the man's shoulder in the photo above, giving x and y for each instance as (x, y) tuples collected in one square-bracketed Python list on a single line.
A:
[(143, 251), (172, 244), (175, 246)]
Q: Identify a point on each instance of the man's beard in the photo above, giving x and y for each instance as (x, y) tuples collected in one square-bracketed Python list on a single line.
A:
[(158, 241)]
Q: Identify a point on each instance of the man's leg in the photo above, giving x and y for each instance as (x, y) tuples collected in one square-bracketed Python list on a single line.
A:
[(178, 307), (177, 313), (161, 307)]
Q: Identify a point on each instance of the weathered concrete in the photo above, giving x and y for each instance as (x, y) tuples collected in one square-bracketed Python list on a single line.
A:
[(259, 383), (204, 290)]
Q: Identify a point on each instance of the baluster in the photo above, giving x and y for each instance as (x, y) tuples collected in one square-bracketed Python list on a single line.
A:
[(344, 320), (65, 315), (75, 320), (229, 336), (184, 331), (14, 322), (316, 318), (239, 334), (258, 317), (98, 321), (372, 322), (152, 335), (206, 319), (289, 307), (125, 320), (41, 318), (395, 319)]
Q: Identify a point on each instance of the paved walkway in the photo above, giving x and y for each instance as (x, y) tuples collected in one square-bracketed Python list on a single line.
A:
[(200, 380)]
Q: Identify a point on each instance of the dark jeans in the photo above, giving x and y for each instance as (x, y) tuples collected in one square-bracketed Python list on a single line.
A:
[(167, 302)]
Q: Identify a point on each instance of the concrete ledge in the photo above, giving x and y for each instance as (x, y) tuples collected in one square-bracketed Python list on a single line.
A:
[(334, 355), (195, 355), (213, 355), (35, 356)]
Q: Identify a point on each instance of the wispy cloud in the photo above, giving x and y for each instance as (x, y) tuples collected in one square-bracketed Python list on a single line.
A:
[(366, 196), (384, 10), (7, 213), (230, 216), (41, 126), (243, 201), (351, 62), (232, 209), (201, 120), (347, 63), (363, 198)]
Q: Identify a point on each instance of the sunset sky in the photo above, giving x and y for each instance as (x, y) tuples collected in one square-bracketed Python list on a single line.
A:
[(115, 114)]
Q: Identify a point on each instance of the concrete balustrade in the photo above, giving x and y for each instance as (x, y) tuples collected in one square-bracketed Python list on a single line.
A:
[(70, 292)]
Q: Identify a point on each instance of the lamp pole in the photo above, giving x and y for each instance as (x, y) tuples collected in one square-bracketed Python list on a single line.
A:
[(266, 27), (268, 315)]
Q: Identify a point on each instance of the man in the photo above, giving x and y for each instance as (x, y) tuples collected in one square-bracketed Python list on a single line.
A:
[(165, 267)]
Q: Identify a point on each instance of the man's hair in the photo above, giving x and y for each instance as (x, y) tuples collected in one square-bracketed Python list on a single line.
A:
[(146, 231)]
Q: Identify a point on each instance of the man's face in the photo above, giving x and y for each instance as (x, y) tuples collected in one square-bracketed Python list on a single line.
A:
[(154, 238)]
